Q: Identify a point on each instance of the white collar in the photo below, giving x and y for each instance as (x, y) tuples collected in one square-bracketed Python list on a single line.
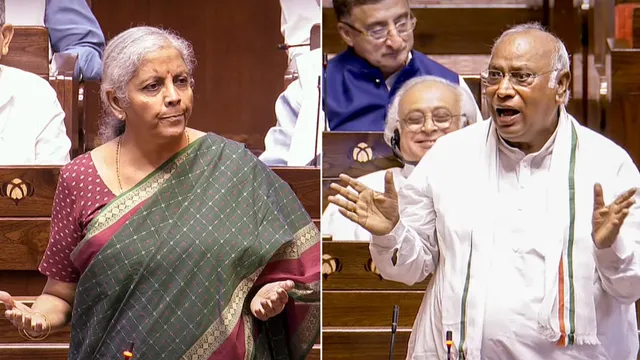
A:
[(392, 79)]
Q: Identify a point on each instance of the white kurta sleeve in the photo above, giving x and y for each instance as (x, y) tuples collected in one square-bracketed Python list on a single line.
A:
[(297, 18), (278, 139), (52, 144), (619, 265), (414, 236)]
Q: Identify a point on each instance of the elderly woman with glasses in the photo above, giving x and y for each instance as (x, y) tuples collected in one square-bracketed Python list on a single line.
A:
[(180, 242), (424, 109)]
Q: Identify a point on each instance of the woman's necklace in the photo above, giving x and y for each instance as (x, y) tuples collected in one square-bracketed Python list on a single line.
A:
[(118, 159)]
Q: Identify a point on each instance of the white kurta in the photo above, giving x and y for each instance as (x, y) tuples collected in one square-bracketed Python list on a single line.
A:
[(339, 227), (438, 209), (292, 141), (297, 19), (32, 130), (25, 12)]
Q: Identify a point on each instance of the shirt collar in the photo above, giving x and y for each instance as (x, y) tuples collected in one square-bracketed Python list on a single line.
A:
[(547, 149), (392, 79), (406, 170)]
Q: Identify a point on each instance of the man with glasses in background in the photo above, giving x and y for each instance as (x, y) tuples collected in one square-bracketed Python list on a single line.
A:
[(361, 81), (424, 109), (529, 224)]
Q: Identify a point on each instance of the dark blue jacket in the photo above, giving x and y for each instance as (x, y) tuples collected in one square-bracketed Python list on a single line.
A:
[(357, 97)]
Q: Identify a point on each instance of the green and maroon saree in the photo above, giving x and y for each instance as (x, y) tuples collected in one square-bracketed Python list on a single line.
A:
[(182, 254)]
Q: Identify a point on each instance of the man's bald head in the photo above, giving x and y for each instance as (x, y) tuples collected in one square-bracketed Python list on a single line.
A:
[(533, 40)]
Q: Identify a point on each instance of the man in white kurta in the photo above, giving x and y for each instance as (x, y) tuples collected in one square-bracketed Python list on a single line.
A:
[(32, 130), (529, 259), (423, 94), (296, 138)]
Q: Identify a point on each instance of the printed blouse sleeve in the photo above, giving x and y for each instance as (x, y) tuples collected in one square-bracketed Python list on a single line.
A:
[(66, 232)]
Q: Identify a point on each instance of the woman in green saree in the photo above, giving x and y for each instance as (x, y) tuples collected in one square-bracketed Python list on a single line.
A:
[(178, 241)]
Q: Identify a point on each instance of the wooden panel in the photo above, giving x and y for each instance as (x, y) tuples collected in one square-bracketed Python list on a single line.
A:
[(448, 29), (625, 72), (339, 344), (328, 191), (23, 243), (475, 85), (349, 261), (239, 71), (65, 83), (91, 113), (305, 182), (40, 351), (315, 353), (622, 124), (340, 148), (25, 283), (41, 182), (369, 308), (464, 65), (636, 28), (29, 50)]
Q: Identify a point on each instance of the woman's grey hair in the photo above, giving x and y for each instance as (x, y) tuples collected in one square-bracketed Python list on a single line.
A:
[(560, 57), (122, 58), (2, 11), (468, 107)]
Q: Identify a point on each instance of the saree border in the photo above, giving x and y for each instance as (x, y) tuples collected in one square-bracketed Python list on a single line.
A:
[(219, 331), (304, 239), (308, 333), (247, 318), (140, 192)]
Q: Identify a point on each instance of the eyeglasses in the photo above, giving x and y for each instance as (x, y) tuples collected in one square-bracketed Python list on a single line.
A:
[(517, 78), (381, 33), (442, 119)]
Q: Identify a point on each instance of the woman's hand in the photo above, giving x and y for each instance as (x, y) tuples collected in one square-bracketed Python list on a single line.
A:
[(22, 317), (271, 299)]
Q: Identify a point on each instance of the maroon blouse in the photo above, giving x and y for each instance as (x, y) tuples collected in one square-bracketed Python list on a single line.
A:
[(80, 196)]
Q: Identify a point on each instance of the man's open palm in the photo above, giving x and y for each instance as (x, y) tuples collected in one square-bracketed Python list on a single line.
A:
[(376, 212), (607, 219)]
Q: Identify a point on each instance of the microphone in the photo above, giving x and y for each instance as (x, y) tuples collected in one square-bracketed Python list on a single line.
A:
[(285, 47), (325, 63), (449, 342), (394, 328), (128, 354)]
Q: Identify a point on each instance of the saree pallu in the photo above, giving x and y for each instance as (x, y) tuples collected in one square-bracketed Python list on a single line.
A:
[(186, 250)]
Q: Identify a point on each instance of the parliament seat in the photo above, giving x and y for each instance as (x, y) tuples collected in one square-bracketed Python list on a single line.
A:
[(29, 51), (357, 304), (26, 200), (618, 77), (355, 154)]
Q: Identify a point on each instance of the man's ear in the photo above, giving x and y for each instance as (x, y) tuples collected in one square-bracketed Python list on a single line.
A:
[(345, 34), (116, 105), (7, 35), (562, 91)]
